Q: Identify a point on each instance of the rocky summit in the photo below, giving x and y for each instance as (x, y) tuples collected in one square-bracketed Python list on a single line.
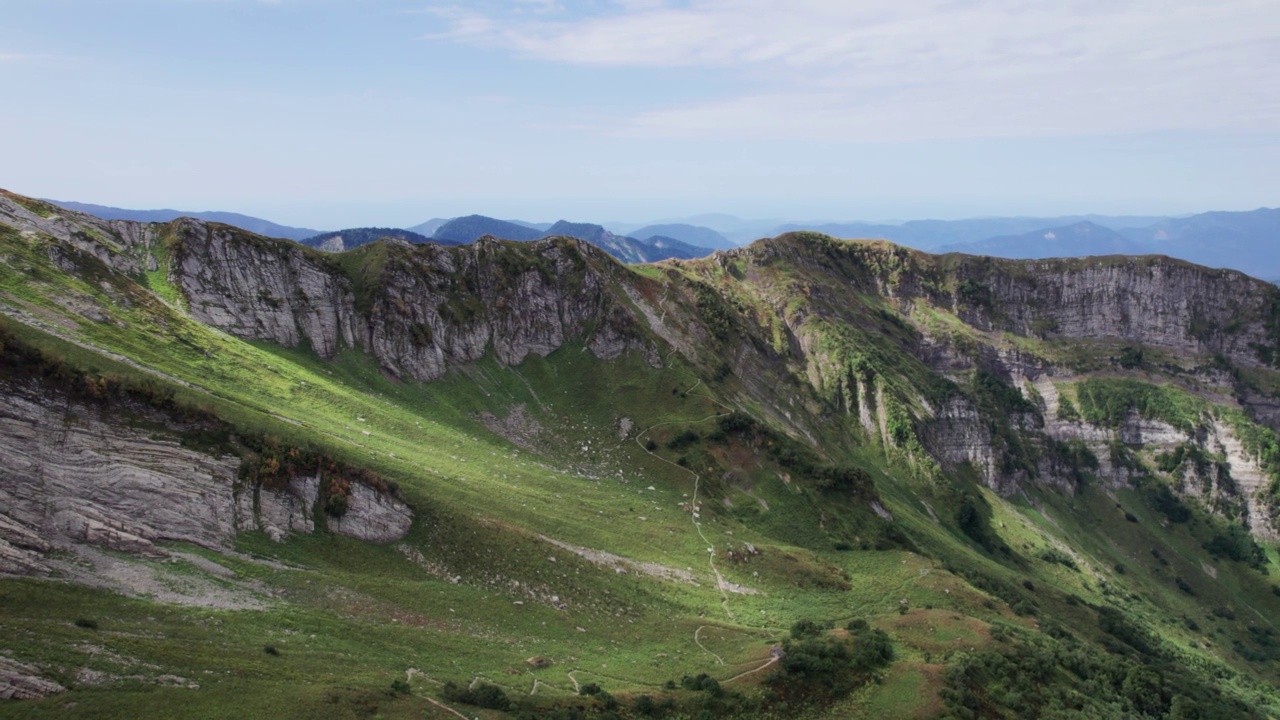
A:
[(810, 477)]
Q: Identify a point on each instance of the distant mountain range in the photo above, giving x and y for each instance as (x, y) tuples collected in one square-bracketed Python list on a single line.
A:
[(932, 235), (245, 222), (695, 235), (627, 249), (428, 228), (1082, 238), (1246, 241)]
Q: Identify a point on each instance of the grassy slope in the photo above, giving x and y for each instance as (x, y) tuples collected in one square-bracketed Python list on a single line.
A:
[(483, 503)]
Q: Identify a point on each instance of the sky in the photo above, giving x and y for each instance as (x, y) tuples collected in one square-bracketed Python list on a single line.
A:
[(340, 113)]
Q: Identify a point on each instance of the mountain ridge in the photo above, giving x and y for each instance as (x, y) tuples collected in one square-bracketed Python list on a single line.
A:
[(1041, 456), (245, 222)]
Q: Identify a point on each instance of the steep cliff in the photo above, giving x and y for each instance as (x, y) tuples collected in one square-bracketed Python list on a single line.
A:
[(124, 476), (418, 309), (800, 427), (855, 321)]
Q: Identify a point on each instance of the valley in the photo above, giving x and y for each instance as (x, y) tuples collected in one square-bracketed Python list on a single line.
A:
[(838, 478)]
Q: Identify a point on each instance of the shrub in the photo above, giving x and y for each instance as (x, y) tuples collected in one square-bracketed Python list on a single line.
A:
[(684, 440), (806, 629), (482, 695), (400, 687), (87, 623), (1130, 357), (1055, 555), (644, 705), (271, 650)]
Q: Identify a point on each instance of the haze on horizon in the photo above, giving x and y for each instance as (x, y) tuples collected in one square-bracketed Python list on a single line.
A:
[(335, 113)]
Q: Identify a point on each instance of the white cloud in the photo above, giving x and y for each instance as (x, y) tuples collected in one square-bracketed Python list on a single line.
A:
[(912, 69)]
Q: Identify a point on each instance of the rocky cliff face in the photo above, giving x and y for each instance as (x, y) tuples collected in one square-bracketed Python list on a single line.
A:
[(421, 309), (1148, 300), (1152, 301), (75, 473)]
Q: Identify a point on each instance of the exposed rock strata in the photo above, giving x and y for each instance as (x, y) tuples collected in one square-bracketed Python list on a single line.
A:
[(429, 308), (23, 682), (76, 473)]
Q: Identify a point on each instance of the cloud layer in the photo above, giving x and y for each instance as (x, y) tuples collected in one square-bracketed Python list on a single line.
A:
[(884, 70)]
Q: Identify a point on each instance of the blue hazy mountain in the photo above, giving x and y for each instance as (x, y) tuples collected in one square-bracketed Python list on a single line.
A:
[(1078, 239), (244, 222), (932, 235), (473, 227), (429, 227), (628, 249), (696, 235), (1246, 241)]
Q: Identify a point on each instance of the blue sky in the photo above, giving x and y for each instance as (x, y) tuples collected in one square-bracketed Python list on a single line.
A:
[(332, 113)]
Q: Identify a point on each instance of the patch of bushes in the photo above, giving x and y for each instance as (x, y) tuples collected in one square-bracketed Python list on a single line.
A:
[(1067, 410), (1054, 555), (1130, 357), (817, 667), (482, 695), (1108, 401), (1228, 540), (87, 623), (684, 440), (1161, 499)]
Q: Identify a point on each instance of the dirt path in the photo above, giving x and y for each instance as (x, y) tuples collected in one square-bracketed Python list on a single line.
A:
[(698, 642), (721, 584), (444, 707), (772, 659)]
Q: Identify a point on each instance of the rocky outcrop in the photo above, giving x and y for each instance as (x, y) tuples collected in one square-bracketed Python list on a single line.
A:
[(417, 309), (372, 517), (1150, 301), (278, 512), (959, 434), (23, 682), (71, 472), (86, 473), (1247, 479), (260, 289)]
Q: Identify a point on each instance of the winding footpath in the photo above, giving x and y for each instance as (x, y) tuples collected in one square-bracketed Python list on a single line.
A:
[(721, 584)]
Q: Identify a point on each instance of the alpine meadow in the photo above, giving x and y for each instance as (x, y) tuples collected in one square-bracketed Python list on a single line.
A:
[(805, 478)]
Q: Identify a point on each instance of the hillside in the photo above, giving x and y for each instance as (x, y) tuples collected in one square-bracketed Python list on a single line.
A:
[(806, 478)]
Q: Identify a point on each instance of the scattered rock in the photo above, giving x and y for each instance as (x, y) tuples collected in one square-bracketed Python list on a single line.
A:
[(23, 682)]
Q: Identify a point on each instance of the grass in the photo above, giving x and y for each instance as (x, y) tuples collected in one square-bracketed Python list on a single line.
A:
[(477, 588)]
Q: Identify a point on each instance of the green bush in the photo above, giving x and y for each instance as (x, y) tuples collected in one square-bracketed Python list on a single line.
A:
[(684, 440), (481, 695)]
